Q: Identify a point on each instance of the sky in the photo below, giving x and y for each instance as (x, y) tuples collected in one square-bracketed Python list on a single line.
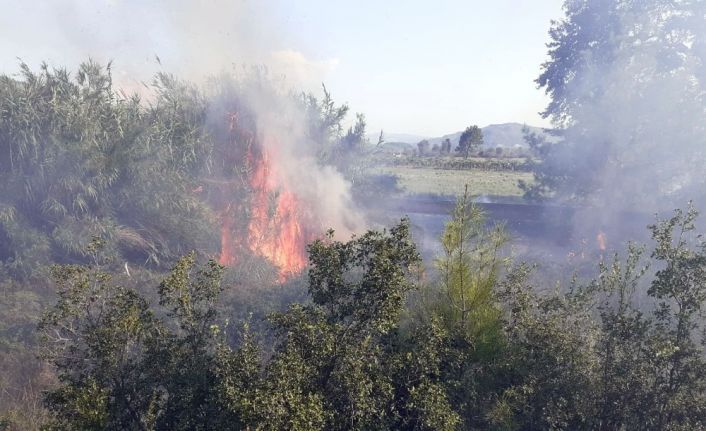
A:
[(411, 66)]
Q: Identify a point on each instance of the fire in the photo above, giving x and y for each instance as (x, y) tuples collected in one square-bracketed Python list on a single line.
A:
[(601, 239), (274, 228)]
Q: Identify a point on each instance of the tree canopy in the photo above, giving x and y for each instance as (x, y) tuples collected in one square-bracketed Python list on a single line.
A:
[(470, 141), (378, 345), (625, 81)]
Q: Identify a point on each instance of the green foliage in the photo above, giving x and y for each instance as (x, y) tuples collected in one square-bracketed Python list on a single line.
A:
[(126, 364), (122, 366), (549, 362), (624, 79), (679, 287), (481, 348), (469, 270), (93, 179), (463, 301), (339, 342), (80, 160), (326, 133), (623, 373), (470, 141)]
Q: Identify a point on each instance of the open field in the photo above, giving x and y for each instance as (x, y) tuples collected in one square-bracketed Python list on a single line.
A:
[(451, 182)]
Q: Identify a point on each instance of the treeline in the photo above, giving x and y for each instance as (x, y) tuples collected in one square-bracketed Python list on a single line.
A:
[(460, 163), (381, 344)]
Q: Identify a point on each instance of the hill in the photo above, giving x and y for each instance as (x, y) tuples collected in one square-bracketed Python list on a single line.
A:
[(506, 135)]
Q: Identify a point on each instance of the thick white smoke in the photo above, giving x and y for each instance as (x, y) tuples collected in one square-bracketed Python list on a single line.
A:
[(196, 41), (638, 125), (321, 189), (192, 39)]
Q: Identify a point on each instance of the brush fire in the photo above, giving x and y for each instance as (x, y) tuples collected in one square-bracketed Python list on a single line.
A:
[(278, 228)]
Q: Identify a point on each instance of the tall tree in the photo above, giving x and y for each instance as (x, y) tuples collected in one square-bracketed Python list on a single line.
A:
[(470, 141), (468, 309), (626, 82)]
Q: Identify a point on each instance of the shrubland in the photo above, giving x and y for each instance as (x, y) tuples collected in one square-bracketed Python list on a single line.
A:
[(379, 342)]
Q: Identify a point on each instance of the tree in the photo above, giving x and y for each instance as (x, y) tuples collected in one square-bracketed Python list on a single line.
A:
[(470, 141), (84, 165), (324, 120), (462, 307), (339, 361), (122, 364), (423, 147), (354, 140), (622, 376), (679, 288), (469, 268), (618, 74), (446, 146)]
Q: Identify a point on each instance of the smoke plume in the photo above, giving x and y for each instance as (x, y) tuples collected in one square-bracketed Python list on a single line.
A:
[(636, 124)]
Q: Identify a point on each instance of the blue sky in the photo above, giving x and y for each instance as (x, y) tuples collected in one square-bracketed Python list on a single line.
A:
[(418, 67)]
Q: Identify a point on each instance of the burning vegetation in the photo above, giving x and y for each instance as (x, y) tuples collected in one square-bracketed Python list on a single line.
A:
[(135, 234), (277, 227)]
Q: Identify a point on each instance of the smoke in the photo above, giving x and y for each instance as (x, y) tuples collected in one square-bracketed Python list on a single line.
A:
[(637, 128), (197, 41), (283, 131), (190, 39)]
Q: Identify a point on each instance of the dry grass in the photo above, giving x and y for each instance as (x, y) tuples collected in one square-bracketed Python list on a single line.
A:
[(451, 182)]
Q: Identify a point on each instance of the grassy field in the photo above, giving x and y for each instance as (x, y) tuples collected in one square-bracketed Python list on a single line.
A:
[(451, 182)]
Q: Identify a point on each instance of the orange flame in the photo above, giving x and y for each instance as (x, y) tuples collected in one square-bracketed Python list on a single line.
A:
[(601, 239), (275, 230)]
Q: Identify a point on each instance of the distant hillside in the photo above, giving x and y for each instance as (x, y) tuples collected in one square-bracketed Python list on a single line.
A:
[(507, 135)]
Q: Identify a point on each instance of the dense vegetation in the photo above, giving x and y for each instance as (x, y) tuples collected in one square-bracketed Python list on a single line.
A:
[(379, 345), (80, 159)]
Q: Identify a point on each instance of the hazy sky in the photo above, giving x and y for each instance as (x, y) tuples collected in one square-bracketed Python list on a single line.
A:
[(411, 66)]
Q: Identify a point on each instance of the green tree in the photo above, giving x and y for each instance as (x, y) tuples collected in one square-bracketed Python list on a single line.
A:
[(546, 380), (340, 362), (122, 364), (618, 75), (679, 287), (468, 273), (79, 160), (463, 305), (623, 373), (470, 141)]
